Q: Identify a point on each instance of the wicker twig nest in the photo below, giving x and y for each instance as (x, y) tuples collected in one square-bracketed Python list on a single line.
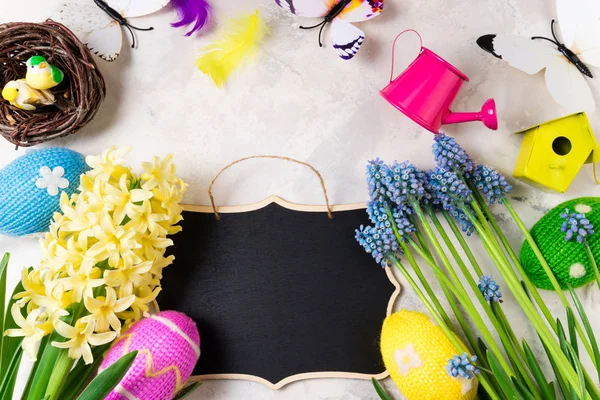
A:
[(78, 97)]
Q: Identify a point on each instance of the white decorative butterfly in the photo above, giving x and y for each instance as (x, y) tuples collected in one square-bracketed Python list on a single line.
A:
[(98, 24), (566, 63), (346, 38)]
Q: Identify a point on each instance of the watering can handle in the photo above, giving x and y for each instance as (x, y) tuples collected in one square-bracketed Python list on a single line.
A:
[(394, 48)]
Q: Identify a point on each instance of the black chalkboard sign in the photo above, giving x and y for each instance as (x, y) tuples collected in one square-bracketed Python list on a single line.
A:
[(280, 294)]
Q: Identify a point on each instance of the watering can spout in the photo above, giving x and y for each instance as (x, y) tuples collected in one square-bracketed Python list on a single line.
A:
[(487, 115)]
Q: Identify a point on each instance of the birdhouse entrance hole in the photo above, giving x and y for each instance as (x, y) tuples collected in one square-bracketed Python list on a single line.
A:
[(561, 146)]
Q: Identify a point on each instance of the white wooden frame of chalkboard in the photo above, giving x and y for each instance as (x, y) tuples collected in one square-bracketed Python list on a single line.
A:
[(309, 375)]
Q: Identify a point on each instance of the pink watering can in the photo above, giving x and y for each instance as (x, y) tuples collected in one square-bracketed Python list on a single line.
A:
[(426, 89)]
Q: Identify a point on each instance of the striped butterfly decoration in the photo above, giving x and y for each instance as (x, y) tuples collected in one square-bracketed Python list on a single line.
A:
[(345, 37)]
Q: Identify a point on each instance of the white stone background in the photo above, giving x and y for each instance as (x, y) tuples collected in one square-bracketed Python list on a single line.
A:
[(298, 100)]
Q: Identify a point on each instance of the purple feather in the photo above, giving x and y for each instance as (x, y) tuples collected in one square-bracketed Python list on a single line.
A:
[(191, 11)]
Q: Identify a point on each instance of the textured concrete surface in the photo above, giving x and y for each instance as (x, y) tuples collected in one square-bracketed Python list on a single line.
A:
[(298, 100)]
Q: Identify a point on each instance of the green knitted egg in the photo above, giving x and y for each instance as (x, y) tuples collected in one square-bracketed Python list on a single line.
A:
[(568, 260)]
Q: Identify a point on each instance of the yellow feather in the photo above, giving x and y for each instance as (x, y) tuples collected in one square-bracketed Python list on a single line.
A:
[(221, 58)]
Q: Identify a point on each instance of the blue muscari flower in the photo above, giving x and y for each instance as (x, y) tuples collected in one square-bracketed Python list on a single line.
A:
[(377, 180), (428, 193), (576, 225), (404, 184), (449, 155), (377, 242), (489, 289), (448, 188), (462, 366), (440, 184), (380, 218), (491, 183), (378, 215), (463, 221), (403, 223)]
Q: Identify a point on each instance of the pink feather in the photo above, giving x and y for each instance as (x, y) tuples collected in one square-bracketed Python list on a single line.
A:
[(191, 12)]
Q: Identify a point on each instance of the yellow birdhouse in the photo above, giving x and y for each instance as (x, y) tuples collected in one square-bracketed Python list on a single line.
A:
[(552, 153)]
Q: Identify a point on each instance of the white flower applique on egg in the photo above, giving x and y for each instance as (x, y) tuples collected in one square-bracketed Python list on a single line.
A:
[(52, 180), (407, 358)]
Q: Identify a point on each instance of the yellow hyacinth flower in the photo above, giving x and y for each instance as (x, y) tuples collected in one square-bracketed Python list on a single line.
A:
[(109, 164), (103, 254), (159, 173), (33, 286), (82, 282), (128, 277), (103, 309), (28, 328), (81, 336)]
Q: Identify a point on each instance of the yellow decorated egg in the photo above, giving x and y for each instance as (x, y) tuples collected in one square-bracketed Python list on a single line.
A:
[(415, 352)]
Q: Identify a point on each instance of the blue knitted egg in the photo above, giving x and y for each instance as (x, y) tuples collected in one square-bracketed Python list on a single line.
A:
[(31, 185)]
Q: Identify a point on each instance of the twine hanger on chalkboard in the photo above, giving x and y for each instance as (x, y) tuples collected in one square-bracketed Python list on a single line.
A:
[(322, 181)]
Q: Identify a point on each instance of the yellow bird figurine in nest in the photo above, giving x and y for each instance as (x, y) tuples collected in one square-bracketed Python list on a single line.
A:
[(21, 95), (41, 75)]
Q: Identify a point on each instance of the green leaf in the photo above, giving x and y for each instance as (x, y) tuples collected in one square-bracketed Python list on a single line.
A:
[(43, 344), (3, 272), (572, 331), (80, 374), (562, 386), (538, 374), (503, 379), (562, 338), (525, 289), (380, 391), (587, 327), (42, 375), (482, 347), (10, 345), (577, 365), (106, 381), (565, 346), (11, 388), (522, 389), (186, 391), (8, 379)]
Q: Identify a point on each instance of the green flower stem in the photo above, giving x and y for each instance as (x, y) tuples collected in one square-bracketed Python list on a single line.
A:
[(463, 298), (492, 220), (426, 284), (504, 322), (590, 255), (60, 369), (480, 215), (550, 275), (417, 270), (459, 317), (545, 334), (467, 331), (509, 346), (499, 312), (488, 228), (457, 288), (421, 238), (516, 261), (477, 268), (449, 334), (463, 243)]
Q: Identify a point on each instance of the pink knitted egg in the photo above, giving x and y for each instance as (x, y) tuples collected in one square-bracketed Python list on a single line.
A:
[(168, 347)]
